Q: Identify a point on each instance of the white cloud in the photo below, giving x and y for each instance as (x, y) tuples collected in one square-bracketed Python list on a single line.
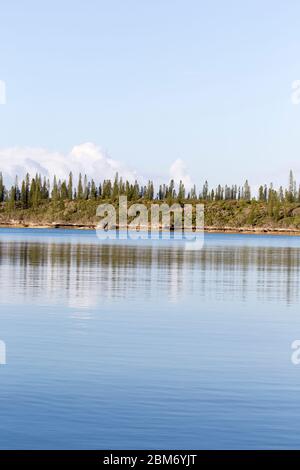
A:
[(85, 158), (178, 172)]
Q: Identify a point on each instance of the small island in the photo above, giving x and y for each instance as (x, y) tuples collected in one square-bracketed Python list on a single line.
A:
[(35, 202)]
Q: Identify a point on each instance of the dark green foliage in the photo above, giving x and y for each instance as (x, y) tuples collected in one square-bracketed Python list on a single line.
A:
[(32, 192)]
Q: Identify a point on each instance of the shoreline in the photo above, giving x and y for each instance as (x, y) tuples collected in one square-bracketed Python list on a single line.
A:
[(207, 229)]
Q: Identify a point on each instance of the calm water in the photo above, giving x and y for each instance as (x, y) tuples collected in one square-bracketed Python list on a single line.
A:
[(147, 345)]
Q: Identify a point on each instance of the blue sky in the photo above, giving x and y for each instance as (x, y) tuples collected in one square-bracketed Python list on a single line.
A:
[(150, 82)]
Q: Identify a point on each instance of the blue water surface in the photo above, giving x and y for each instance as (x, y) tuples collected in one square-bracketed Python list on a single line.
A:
[(148, 344)]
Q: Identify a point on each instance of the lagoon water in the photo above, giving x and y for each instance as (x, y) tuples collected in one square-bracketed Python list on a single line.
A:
[(148, 345)]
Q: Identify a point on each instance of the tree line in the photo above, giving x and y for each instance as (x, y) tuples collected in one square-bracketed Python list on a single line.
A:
[(31, 191)]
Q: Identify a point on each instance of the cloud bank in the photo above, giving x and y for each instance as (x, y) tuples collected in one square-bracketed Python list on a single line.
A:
[(178, 172), (89, 159), (85, 158)]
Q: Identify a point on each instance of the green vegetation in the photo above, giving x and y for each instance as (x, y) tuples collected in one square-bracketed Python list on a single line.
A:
[(37, 202)]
